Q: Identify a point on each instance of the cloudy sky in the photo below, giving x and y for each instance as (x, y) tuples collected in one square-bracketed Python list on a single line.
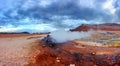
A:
[(50, 15)]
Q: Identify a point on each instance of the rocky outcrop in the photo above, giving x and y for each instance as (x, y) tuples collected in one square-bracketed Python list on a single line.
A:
[(104, 27)]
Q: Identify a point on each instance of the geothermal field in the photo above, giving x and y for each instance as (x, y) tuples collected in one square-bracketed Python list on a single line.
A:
[(62, 48), (59, 32)]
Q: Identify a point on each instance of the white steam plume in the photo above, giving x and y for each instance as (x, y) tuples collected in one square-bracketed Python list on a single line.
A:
[(63, 36)]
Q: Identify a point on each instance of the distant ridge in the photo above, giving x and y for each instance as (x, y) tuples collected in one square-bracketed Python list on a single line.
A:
[(104, 27), (14, 33)]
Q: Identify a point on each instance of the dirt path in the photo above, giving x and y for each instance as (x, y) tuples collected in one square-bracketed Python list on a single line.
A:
[(15, 51)]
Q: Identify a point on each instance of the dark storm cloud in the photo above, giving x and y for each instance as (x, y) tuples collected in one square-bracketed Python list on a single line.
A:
[(117, 13), (68, 8), (63, 8)]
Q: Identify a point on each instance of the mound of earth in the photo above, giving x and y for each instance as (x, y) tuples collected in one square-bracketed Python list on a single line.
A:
[(104, 27)]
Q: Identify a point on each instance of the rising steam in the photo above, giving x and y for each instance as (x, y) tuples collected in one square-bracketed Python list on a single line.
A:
[(63, 36)]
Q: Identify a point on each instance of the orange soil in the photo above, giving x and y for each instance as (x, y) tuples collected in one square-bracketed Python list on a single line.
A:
[(28, 50), (104, 27)]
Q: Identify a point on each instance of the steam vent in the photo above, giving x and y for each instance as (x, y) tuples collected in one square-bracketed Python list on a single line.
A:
[(48, 41)]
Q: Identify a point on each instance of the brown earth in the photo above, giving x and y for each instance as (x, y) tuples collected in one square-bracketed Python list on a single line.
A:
[(28, 50), (105, 27), (15, 49)]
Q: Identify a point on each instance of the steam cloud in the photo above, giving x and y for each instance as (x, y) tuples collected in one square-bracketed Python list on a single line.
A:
[(63, 36)]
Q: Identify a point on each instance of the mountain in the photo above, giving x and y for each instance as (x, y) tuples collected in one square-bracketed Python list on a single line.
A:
[(104, 27)]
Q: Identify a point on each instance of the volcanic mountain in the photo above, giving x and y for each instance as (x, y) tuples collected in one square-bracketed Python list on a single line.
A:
[(103, 27)]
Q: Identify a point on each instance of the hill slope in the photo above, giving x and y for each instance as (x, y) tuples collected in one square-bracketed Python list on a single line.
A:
[(104, 27)]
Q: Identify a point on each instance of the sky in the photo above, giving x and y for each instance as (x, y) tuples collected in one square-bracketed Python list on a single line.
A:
[(51, 15)]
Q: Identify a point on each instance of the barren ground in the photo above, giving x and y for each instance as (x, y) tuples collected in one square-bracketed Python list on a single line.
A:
[(15, 49), (28, 50)]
